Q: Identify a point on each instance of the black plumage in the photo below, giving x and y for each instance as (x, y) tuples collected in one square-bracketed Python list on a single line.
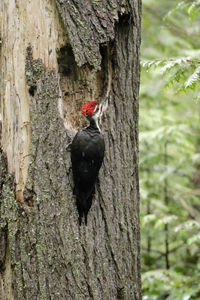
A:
[(87, 152)]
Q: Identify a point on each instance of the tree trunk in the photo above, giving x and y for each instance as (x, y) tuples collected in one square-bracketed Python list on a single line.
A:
[(55, 56)]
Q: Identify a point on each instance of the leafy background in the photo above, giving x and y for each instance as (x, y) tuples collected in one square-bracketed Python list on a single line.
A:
[(170, 150)]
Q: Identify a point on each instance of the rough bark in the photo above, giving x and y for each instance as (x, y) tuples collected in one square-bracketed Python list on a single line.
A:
[(66, 54)]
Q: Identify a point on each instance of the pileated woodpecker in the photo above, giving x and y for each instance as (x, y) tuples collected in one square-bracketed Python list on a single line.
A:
[(87, 153)]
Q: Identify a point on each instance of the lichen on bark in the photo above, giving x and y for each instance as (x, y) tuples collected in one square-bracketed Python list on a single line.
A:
[(8, 221)]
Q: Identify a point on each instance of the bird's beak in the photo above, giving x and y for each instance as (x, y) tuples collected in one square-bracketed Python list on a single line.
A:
[(104, 105)]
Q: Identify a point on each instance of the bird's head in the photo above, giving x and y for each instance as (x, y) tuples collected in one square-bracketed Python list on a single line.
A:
[(94, 110)]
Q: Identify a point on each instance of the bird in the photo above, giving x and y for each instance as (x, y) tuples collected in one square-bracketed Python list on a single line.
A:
[(87, 153)]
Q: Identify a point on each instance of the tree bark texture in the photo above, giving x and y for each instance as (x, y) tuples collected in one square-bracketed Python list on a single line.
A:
[(55, 56)]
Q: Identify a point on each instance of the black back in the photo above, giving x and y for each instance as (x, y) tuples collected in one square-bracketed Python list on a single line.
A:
[(87, 152)]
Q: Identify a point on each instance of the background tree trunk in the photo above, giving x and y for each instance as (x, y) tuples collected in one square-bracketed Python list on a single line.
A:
[(55, 56)]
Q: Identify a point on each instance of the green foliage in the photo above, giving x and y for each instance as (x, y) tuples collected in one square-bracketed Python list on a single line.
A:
[(182, 72), (170, 285), (181, 65), (169, 150), (191, 7)]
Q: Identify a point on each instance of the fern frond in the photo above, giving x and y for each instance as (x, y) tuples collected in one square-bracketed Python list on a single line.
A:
[(169, 63), (192, 80), (193, 9), (180, 5), (174, 63), (147, 64)]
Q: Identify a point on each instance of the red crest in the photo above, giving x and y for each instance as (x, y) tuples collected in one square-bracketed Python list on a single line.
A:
[(88, 108)]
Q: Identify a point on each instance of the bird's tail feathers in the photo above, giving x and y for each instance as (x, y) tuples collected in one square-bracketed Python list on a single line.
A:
[(83, 204)]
